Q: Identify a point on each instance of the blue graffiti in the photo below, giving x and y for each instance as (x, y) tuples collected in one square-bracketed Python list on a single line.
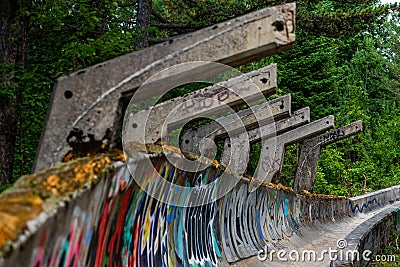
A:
[(295, 225), (363, 206)]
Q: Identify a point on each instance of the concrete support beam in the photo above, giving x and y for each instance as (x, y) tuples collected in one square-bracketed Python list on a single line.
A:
[(299, 117), (88, 99), (264, 113), (311, 150), (210, 101), (273, 149)]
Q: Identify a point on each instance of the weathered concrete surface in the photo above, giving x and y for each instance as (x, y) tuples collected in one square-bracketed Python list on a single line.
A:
[(373, 235), (154, 123), (88, 99), (32, 196), (251, 118), (311, 150), (374, 200), (370, 226), (270, 165), (299, 117)]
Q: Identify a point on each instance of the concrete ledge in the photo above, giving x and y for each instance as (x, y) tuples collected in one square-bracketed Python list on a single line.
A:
[(208, 102), (373, 235), (368, 202), (24, 205), (251, 118), (299, 118), (311, 150)]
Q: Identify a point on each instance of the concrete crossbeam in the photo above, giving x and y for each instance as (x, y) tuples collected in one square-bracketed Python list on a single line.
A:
[(210, 101), (299, 117), (251, 118), (88, 100), (311, 150), (273, 149)]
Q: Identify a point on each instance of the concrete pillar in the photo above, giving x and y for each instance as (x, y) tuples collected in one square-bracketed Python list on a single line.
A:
[(299, 117), (88, 100), (211, 101), (273, 149), (311, 150), (256, 116)]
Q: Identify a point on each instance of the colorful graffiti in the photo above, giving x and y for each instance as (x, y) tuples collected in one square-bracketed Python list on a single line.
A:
[(118, 224)]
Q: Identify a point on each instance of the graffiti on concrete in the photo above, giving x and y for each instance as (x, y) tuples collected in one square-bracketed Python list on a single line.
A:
[(361, 206), (117, 224)]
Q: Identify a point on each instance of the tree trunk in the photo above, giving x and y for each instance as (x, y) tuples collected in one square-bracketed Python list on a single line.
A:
[(8, 123), (14, 22), (143, 21)]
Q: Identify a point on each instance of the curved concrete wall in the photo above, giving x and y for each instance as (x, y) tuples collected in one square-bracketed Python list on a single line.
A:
[(371, 201), (108, 221), (373, 235)]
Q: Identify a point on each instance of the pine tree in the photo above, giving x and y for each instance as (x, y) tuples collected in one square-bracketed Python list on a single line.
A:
[(14, 20)]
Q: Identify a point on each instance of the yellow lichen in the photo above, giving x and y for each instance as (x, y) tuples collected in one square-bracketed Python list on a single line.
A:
[(160, 148), (15, 211), (25, 200)]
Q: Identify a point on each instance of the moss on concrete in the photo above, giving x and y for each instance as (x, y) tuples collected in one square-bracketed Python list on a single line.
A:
[(27, 198)]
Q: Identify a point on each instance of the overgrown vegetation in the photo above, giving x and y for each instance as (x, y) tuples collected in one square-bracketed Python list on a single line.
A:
[(389, 256), (354, 78)]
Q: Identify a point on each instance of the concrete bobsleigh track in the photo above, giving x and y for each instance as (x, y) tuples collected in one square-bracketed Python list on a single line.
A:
[(101, 209), (90, 212)]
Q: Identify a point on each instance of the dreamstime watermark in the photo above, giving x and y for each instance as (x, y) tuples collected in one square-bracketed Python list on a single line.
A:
[(147, 122), (339, 254)]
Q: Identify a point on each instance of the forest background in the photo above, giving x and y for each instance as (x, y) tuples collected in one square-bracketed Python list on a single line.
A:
[(345, 62)]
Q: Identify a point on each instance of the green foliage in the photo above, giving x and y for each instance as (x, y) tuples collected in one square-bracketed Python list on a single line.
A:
[(345, 62), (87, 32), (355, 78), (289, 165), (63, 37), (368, 90), (255, 151), (318, 18)]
